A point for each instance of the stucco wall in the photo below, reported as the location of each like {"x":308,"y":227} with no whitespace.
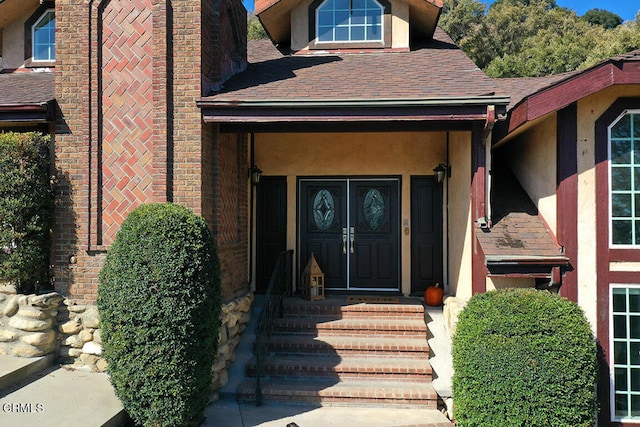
{"x":300,"y":25}
{"x":13,"y":42}
{"x":589,"y":110}
{"x":347,"y":154}
{"x":460,"y":247}
{"x":509,"y":282}
{"x":532,"y":158}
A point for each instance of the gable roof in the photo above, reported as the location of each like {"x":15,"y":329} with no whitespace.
{"x":27,"y":97}
{"x":532,"y":98}
{"x":438,"y":75}
{"x":275,"y":16}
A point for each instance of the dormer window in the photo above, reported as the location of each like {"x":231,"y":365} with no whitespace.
{"x":337,"y":24}
{"x":349,"y":21}
{"x":44,"y":37}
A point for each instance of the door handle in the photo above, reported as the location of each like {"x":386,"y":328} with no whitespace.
{"x":344,"y":240}
{"x":352,"y":238}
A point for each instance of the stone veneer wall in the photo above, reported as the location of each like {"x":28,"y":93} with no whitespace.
{"x":27,"y":324}
{"x":36,"y":325}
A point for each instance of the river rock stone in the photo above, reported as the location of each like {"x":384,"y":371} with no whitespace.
{"x":40,"y":339}
{"x":7,"y":335}
{"x":91,"y":318}
{"x":70,"y":327}
{"x":30,"y":325}
{"x":92,"y":348}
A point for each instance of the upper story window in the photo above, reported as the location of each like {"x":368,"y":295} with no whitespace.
{"x":349,"y":20}
{"x":624,"y":182}
{"x":43,"y":37}
{"x":336,"y":24}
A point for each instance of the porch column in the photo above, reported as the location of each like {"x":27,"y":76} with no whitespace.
{"x":478,"y":166}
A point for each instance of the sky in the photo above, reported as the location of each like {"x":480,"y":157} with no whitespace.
{"x":626,"y":9}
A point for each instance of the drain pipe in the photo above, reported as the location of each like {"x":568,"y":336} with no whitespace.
{"x":251,"y":207}
{"x":486,"y":141}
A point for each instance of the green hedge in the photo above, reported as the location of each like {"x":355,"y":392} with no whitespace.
{"x":26,"y":210}
{"x":523,"y":357}
{"x":159,"y":302}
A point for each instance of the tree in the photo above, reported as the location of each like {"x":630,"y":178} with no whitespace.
{"x":601,"y":17}
{"x":255,"y":30}
{"x":461,"y":17}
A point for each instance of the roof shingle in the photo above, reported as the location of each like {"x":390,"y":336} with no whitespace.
{"x":437,"y":70}
{"x":27,"y":88}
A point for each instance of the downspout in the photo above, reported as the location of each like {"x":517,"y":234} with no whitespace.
{"x":251,"y":206}
{"x":447,"y":216}
{"x":486,"y":141}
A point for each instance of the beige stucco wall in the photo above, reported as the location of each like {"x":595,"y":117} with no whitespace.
{"x":400,"y":154}
{"x":13,"y":43}
{"x":460,"y":225}
{"x":589,"y":110}
{"x":300,"y":25}
{"x":509,"y":282}
{"x":532,"y":158}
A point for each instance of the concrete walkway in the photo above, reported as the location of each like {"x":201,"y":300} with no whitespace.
{"x":228,"y":413}
{"x":61,"y":397}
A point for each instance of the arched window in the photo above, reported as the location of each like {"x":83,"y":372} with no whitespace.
{"x":336,"y":24}
{"x":43,"y":37}
{"x":624,"y":172}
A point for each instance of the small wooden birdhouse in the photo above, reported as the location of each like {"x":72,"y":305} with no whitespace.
{"x":312,"y":281}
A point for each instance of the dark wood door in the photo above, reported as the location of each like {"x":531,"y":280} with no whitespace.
{"x":323,"y":217}
{"x":426,"y":233}
{"x":351,"y":227}
{"x":271,"y":226}
{"x":373,"y":234}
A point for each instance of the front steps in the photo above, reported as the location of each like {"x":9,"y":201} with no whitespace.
{"x":334,"y":353}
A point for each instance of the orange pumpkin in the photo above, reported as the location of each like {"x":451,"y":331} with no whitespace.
{"x":433,"y":295}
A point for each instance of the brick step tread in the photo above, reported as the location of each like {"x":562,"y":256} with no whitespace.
{"x":373,"y":393}
{"x":335,"y":344}
{"x":345,"y":367}
{"x":303,"y":308}
{"x":320,"y":324}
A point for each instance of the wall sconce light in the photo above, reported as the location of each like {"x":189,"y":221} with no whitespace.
{"x":440,"y":172}
{"x":255,"y":174}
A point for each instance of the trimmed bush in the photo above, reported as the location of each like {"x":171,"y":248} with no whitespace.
{"x":159,"y":303}
{"x":26,"y":210}
{"x":523,"y":357}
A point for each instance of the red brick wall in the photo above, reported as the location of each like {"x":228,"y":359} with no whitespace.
{"x":129,"y":131}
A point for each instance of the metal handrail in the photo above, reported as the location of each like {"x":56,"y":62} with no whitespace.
{"x":280,"y":285}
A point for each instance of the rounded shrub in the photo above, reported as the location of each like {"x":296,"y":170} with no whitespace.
{"x":523,"y":357}
{"x":159,"y":303}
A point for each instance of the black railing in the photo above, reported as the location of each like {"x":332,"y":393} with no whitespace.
{"x":280,"y":285}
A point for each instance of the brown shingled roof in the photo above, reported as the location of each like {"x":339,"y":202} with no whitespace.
{"x":26,"y":88}
{"x":438,"y":70}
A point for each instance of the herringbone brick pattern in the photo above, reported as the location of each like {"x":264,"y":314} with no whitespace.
{"x":127,"y":101}
{"x":229,"y":190}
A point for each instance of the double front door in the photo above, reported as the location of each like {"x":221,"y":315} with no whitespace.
{"x":351,"y":226}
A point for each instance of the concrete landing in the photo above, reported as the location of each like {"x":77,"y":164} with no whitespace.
{"x":15,"y":369}
{"x":63,"y":397}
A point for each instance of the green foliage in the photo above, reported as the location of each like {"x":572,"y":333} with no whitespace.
{"x":523,"y":357}
{"x":26,"y":210}
{"x":460,"y":17}
{"x":528,"y":38}
{"x":255,"y":30}
{"x":159,"y":302}
{"x":601,"y":17}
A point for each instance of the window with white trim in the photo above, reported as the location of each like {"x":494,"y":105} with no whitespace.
{"x":349,"y":21}
{"x":624,"y":180}
{"x":43,"y":37}
{"x":625,"y":352}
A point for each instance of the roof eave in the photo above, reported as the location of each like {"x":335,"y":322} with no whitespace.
{"x":41,"y":112}
{"x":567,"y":91}
{"x":340,"y":110}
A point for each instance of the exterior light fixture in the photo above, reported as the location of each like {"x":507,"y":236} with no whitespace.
{"x":255,"y":174}
{"x":440,"y":171}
